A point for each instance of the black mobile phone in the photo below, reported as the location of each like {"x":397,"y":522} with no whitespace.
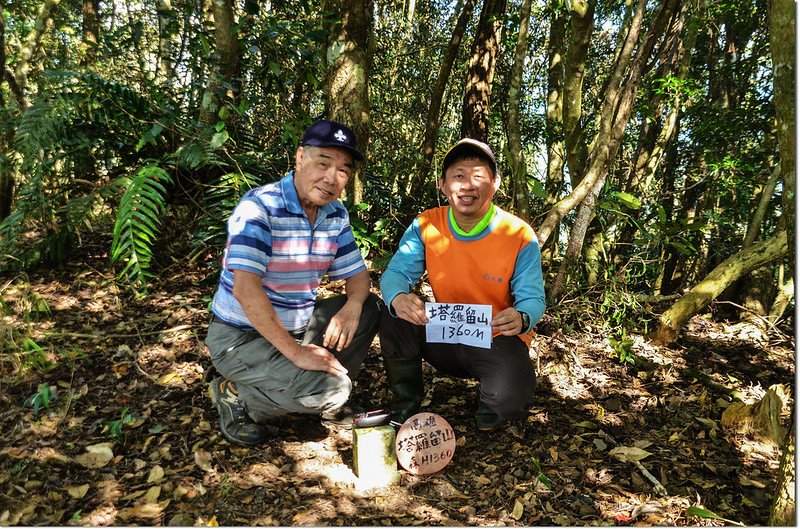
{"x":371,"y":418}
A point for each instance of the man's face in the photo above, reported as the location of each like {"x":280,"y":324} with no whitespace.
{"x":469,"y":186}
{"x":320,"y":174}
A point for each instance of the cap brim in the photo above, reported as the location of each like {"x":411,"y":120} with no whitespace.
{"x":354,"y":152}
{"x":465,"y":149}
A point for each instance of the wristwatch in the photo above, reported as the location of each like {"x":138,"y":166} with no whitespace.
{"x":526,"y":320}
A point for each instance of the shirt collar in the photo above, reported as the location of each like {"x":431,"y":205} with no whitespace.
{"x":479,"y":227}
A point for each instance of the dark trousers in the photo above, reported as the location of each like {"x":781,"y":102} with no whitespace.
{"x":505,"y":372}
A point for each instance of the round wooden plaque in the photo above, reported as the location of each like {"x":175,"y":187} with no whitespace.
{"x":425,"y":443}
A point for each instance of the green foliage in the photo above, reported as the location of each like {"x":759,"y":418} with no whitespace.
{"x":702,"y":512}
{"x":137,"y":223}
{"x":115,"y":429}
{"x":368,"y":240}
{"x":621,"y":347}
{"x":63,"y":141}
{"x":541,"y":477}
{"x":41,"y":399}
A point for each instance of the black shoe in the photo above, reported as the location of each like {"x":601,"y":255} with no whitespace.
{"x":235,"y":423}
{"x":343,"y":417}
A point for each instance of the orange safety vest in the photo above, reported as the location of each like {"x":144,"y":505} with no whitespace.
{"x":476,"y":271}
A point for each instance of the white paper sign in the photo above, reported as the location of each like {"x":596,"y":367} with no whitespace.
{"x":459,"y":323}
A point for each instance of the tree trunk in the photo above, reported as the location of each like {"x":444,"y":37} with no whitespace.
{"x":761,"y":209}
{"x":554,"y":127}
{"x":480,"y":74}
{"x":718,"y":280}
{"x":91,"y":32}
{"x":782,"y":511}
{"x":6,"y":167}
{"x":226,"y":66}
{"x":32,"y":45}
{"x":756,"y":292}
{"x":580,"y":36}
{"x":432,"y":123}
{"x":167,"y":27}
{"x":519,"y":172}
{"x":781,"y":15}
{"x":782,"y":300}
{"x":347,"y":80}
{"x":615,"y":110}
{"x":576,"y":236}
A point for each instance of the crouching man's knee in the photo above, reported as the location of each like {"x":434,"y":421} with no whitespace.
{"x":325,"y":392}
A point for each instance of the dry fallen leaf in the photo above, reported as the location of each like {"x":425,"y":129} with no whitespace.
{"x":518,"y":509}
{"x":96,"y":456}
{"x":203,"y":459}
{"x":152,"y":494}
{"x":78,"y":491}
{"x":144,"y":510}
{"x":483,"y":480}
{"x":156,"y":473}
{"x":629,"y":454}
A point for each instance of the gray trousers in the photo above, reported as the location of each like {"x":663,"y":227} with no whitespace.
{"x":270,"y":385}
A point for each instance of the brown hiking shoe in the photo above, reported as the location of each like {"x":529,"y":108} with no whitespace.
{"x":235,"y":423}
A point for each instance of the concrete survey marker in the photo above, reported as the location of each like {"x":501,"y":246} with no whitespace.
{"x":425,"y":443}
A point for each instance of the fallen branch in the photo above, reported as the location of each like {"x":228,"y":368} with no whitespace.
{"x":657,"y":486}
{"x":716,"y":386}
{"x":116,"y":336}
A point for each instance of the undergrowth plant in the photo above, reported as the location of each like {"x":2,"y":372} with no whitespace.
{"x":19,"y":352}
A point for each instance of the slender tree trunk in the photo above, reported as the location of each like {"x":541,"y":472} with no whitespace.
{"x":576,"y":237}
{"x":6,"y":167}
{"x":781,"y":14}
{"x":554,"y":131}
{"x":717,"y":281}
{"x":519,"y":172}
{"x":432,"y":123}
{"x":167,"y":28}
{"x":347,"y":81}
{"x":782,"y":300}
{"x":756,"y":292}
{"x":32,"y":45}
{"x":580,"y":36}
{"x":782,"y":511}
{"x":761,"y":209}
{"x":616,"y":108}
{"x":91,"y":32}
{"x":226,"y":66}
{"x":480,"y":74}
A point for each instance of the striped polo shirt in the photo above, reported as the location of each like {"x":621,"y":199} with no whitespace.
{"x":269,"y":234}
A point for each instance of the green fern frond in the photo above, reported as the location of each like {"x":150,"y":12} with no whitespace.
{"x":137,"y":224}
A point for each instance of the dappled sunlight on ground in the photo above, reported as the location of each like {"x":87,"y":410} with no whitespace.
{"x":128,"y":372}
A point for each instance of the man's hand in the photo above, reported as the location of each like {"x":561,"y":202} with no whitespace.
{"x":342,"y":327}
{"x":410,"y":308}
{"x":507,"y":322}
{"x":315,"y":358}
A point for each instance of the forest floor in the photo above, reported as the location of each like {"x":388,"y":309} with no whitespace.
{"x":131,"y":437}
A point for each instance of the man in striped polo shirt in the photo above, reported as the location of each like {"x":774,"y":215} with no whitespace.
{"x":279,"y":349}
{"x":474,"y":253}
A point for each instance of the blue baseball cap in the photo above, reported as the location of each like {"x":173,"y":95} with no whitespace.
{"x":326,"y":133}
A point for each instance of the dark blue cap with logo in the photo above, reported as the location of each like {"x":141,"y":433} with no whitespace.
{"x":326,"y":133}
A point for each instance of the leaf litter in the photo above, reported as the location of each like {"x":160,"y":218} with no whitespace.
{"x":581,"y":457}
